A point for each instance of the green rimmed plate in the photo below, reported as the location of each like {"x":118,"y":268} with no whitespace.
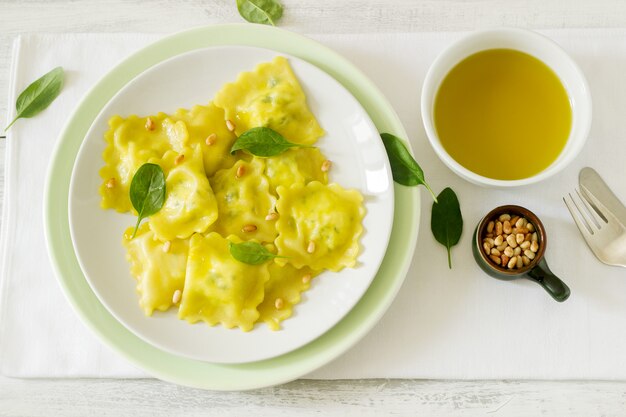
{"x":192,"y":372}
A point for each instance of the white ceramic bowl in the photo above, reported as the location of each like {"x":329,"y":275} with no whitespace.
{"x":533,"y":44}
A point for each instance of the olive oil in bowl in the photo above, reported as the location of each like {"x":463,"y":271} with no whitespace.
{"x":503,"y":114}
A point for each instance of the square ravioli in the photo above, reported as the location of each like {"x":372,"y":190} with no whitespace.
{"x":130,"y":143}
{"x":159,"y":268}
{"x":319,"y":225}
{"x":282,"y":292}
{"x":244,"y":202}
{"x":218,"y":288}
{"x":206,"y":127}
{"x":190,"y":205}
{"x":270,"y":96}
{"x":295,"y":166}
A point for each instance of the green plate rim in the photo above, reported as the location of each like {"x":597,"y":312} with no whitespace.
{"x":169,"y":367}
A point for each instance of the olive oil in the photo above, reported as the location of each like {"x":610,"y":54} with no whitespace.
{"x":503,"y":114}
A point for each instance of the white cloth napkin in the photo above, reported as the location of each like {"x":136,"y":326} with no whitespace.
{"x":444,"y":323}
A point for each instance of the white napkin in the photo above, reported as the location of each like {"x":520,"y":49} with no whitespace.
{"x":444,"y":323}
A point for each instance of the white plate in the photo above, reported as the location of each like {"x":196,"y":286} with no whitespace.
{"x":359,"y":161}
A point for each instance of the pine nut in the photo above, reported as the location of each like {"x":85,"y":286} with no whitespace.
{"x":511,"y":241}
{"x":517,"y":251}
{"x":519,"y":262}
{"x":534,"y":237}
{"x":176,"y":297}
{"x":498,"y":228}
{"x":166,"y":246}
{"x":525,"y":245}
{"x":520,"y":222}
{"x":271,"y":217}
{"x":522,"y":230}
{"x":306,"y":278}
{"x":530,"y":227}
{"x":150,"y":124}
{"x":502,"y":246}
{"x":519,"y":238}
{"x":489,"y":235}
{"x":504,"y":217}
{"x":230,"y":125}
{"x":506,"y":227}
{"x":495,"y":252}
{"x":110,"y":183}
{"x":508,"y":251}
{"x":326,"y":165}
{"x":211,"y":139}
{"x":487,"y":248}
{"x":534,"y":247}
{"x":512,"y":262}
{"x":179,"y":159}
{"x":311,"y":247}
{"x":241,"y":170}
{"x":527,"y":237}
{"x":530,"y":254}
{"x":279,"y":303}
{"x":514,"y":219}
{"x":249,"y":228}
{"x":498,"y":240}
{"x":526,"y":260}
{"x":505,"y":259}
{"x":495,"y":259}
{"x":490,"y":241}
{"x":490,"y":226}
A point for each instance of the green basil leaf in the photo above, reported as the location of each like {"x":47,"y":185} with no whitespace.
{"x":267,"y":12}
{"x":251,"y":253}
{"x":37,"y":96}
{"x":404,"y":168}
{"x":446,"y":220}
{"x":263,"y":141}
{"x":147,"y":191}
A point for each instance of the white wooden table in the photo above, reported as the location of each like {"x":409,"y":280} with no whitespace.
{"x":46,"y":397}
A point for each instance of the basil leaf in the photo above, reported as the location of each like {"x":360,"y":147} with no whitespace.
{"x":37,"y":96}
{"x":266,"y":12}
{"x":147,"y":191}
{"x":263,"y":141}
{"x":446,"y":220}
{"x":404,"y":168}
{"x":251,"y":253}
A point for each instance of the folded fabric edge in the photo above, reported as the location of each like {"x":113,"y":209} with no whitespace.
{"x":5,"y":223}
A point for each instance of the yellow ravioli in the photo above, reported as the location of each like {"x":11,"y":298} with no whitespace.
{"x":201,"y":123}
{"x":159,"y":273}
{"x":190,"y":205}
{"x":319,"y":225}
{"x":130,"y":145}
{"x":286,"y":283}
{"x":270,"y":96}
{"x":295,"y":166}
{"x":244,"y":202}
{"x":218,"y":288}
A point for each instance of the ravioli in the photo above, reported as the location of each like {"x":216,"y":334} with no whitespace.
{"x":319,"y":225}
{"x":244,"y":201}
{"x":159,"y":270}
{"x":286,"y":283}
{"x":130,"y":144}
{"x":190,"y":205}
{"x":202,"y":122}
{"x":218,"y":288}
{"x":270,"y":96}
{"x":180,"y":255}
{"x":295,"y":166}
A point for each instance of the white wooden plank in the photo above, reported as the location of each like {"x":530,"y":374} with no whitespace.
{"x":307,"y":398}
